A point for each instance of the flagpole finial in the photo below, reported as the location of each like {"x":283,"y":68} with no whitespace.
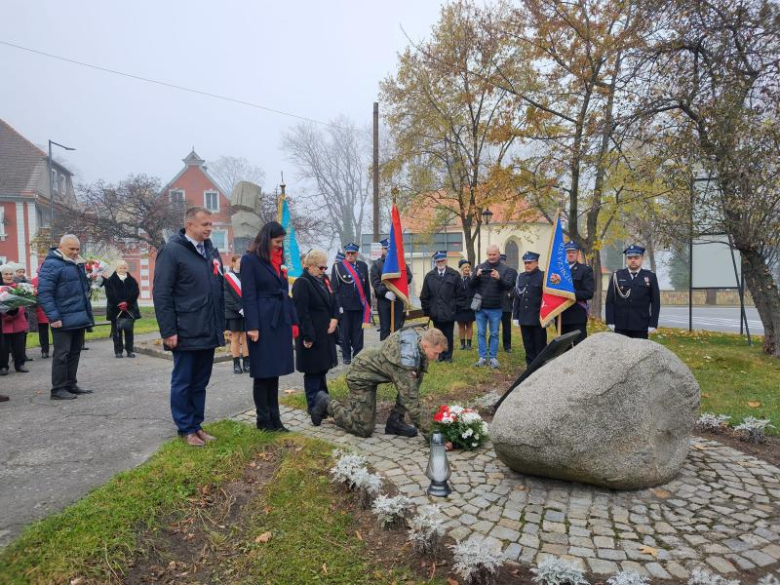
{"x":394,"y":194}
{"x":282,"y":185}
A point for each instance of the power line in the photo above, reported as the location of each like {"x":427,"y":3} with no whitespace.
{"x":174,"y":86}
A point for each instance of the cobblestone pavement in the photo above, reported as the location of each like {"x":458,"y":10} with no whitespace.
{"x":721,"y":512}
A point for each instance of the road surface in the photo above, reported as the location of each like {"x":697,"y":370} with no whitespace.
{"x":724,"y":319}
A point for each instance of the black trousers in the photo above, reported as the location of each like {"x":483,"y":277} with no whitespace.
{"x":43,"y":337}
{"x":12,"y":345}
{"x":506,"y":329}
{"x":534,"y":341}
{"x":351,"y":334}
{"x":447,"y":328}
{"x":313,"y":383}
{"x":117,"y":334}
{"x":635,"y":334}
{"x":581,"y":327}
{"x":65,"y":361}
{"x":265,"y":392}
{"x":383,"y":307}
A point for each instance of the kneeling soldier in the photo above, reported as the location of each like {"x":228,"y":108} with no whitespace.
{"x":401,"y":359}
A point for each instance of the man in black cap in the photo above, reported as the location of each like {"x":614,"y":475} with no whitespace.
{"x":353,"y":295}
{"x":575,"y":318}
{"x":507,"y":307}
{"x":528,"y":303}
{"x":633,"y":297}
{"x":439,"y":299}
{"x":385,"y":297}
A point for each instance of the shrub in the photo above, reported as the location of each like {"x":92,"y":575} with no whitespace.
{"x":556,"y":571}
{"x":769,"y":580}
{"x":752,"y":429}
{"x":346,"y":467}
{"x":392,"y":512}
{"x":427,"y":531}
{"x":703,"y":577}
{"x":477,"y":562}
{"x":367,"y":486}
{"x":628,"y":578}
{"x":713,"y":423}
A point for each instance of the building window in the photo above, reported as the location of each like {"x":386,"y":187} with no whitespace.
{"x":61,"y":187}
{"x":55,"y":184}
{"x":219,"y":239}
{"x":512,"y":255}
{"x":176,"y":196}
{"x":211,"y":200}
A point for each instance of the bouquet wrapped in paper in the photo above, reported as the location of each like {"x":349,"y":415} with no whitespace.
{"x":463,"y":427}
{"x":13,"y":296}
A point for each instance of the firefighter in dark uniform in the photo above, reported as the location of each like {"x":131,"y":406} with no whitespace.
{"x":528,"y":302}
{"x":352,"y":299}
{"x":575,"y":318}
{"x":385,"y":297}
{"x":439,"y":299}
{"x":633,"y":297}
{"x":507,"y":306}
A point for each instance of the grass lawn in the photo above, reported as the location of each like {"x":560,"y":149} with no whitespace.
{"x":112,"y":530}
{"x":146,"y":324}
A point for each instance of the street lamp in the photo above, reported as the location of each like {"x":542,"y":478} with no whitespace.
{"x":486,"y":215}
{"x":51,"y":186}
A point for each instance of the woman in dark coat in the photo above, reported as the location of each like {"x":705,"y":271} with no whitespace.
{"x":234,"y":316}
{"x":315,"y":305}
{"x":464,"y":316}
{"x":270,"y":320}
{"x":122,"y":302}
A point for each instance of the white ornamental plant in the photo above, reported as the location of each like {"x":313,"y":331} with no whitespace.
{"x":557,"y":571}
{"x":347,"y":465}
{"x":703,"y":577}
{"x":769,"y":580}
{"x":477,"y":562}
{"x":392,"y":512}
{"x":713,"y":423}
{"x":753,"y":429}
{"x":426,"y":531}
{"x":628,"y":578}
{"x":367,"y":486}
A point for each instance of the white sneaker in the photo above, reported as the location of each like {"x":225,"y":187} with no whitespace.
{"x":482,"y":362}
{"x":494,"y":363}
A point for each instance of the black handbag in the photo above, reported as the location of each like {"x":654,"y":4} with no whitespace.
{"x":124,"y":322}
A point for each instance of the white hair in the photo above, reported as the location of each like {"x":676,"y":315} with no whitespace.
{"x":7,"y":268}
{"x":68,"y":237}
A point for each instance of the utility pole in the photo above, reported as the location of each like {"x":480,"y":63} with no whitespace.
{"x":376,"y":171}
{"x":50,"y":166}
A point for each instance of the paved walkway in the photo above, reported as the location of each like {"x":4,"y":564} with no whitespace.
{"x":722,"y":511}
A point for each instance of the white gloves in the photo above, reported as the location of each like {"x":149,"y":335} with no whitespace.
{"x":390,"y":295}
{"x":516,"y":322}
{"x":651,"y":330}
{"x":241,"y":312}
{"x":611,"y":326}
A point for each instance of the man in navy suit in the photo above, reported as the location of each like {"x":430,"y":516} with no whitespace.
{"x":575,"y":318}
{"x":633,"y":297}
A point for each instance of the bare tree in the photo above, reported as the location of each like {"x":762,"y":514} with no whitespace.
{"x":228,"y":171}
{"x":334,"y":163}
{"x":112,"y":214}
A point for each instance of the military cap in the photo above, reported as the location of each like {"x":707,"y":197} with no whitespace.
{"x":340,"y":256}
{"x":351,"y":247}
{"x":530,"y":256}
{"x":385,"y":243}
{"x":440,"y":255}
{"x":463,"y":261}
{"x":634,"y":250}
{"x":571,"y":246}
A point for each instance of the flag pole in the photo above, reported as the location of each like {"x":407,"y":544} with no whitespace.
{"x":280,"y":201}
{"x":394,"y":193}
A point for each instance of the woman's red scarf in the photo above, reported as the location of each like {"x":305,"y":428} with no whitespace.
{"x":276,"y":261}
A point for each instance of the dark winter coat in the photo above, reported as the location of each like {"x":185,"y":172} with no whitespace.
{"x":188,"y":294}
{"x":508,"y":298}
{"x":491,"y":289}
{"x":380,"y":288}
{"x":117,"y":292}
{"x":63,"y":292}
{"x":440,"y":295}
{"x":315,"y":306}
{"x":639,"y":311}
{"x":584,"y":287}
{"x":268,"y":309}
{"x":347,"y":295}
{"x":233,"y":302}
{"x":528,"y":299}
{"x":465,"y":295}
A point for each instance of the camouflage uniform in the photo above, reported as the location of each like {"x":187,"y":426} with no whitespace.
{"x":400,"y":360}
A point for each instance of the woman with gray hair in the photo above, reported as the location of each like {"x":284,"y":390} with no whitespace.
{"x":315,"y":304}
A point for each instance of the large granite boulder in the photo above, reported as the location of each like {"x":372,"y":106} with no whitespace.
{"x":614,"y":412}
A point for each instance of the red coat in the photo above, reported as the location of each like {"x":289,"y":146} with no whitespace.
{"x":14,"y":323}
{"x":42,"y":319}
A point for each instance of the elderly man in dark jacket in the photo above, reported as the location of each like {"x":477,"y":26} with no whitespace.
{"x":490,"y":280}
{"x":63,"y":294}
{"x":440,"y":298}
{"x":190,"y":310}
{"x":528,"y":305}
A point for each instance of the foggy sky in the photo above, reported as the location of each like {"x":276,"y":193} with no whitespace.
{"x":313,"y":58}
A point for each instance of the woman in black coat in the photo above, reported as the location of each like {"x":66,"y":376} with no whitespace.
{"x":464,"y":315}
{"x":234,"y":316}
{"x":122,"y":303}
{"x":270,"y":320}
{"x":315,"y":305}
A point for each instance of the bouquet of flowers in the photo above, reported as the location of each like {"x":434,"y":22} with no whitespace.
{"x":463,"y":427}
{"x":95,"y":273}
{"x":13,"y":296}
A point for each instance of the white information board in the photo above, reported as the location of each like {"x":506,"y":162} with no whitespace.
{"x":712,"y":263}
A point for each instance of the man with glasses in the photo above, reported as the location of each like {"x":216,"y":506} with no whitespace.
{"x":490,"y":280}
{"x":528,"y":302}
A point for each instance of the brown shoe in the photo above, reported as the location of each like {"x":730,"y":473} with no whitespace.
{"x":193,"y":440}
{"x":204,"y":436}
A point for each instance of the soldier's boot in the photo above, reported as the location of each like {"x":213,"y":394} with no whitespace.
{"x":396,"y":426}
{"x":320,"y":409}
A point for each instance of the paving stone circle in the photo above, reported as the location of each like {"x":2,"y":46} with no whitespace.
{"x":721,"y":512}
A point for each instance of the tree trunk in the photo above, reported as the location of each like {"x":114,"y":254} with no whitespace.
{"x":765,"y":295}
{"x":598,"y":296}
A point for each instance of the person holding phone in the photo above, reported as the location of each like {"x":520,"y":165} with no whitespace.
{"x":490,"y":280}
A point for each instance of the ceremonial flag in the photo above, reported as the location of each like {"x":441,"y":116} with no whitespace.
{"x":292,"y":253}
{"x":394,"y":269}
{"x":558,"y":293}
